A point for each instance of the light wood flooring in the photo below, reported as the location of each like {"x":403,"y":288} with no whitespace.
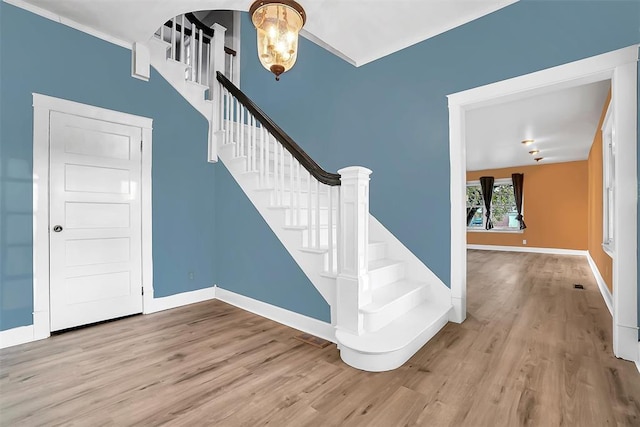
{"x":533,"y":351}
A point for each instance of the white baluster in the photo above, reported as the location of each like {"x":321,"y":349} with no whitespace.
{"x":192,"y":48}
{"x":229,"y":124}
{"x":200,"y":57}
{"x":182,"y":57}
{"x":243,"y":145}
{"x":275,"y":171}
{"x":267,"y":160}
{"x":291,"y":201}
{"x":282,"y":150}
{"x":317,"y":213}
{"x":209,"y":73}
{"x":254,"y":143}
{"x":221,"y":101}
{"x":309,"y":206}
{"x":299,"y":190}
{"x":330,"y":228}
{"x":261,"y":156}
{"x":173,"y":38}
{"x":231,"y":58}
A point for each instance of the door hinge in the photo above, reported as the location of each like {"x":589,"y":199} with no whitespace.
{"x":141,"y":146}
{"x":142,"y":291}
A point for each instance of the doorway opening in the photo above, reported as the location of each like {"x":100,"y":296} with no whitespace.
{"x":620,"y":67}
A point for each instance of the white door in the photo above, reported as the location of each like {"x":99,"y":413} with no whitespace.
{"x":95,"y":220}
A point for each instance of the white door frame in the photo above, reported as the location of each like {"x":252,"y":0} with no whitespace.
{"x":621,"y":67}
{"x":42,"y":107}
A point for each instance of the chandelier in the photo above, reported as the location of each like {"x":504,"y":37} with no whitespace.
{"x":277,"y":25}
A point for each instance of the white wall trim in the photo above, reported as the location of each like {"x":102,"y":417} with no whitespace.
{"x":552,"y":251}
{"x":42,"y":107}
{"x":602,"y":285}
{"x":16,"y":336}
{"x":288,"y":318}
{"x":178,"y":300}
{"x":621,"y":67}
{"x":68,"y":22}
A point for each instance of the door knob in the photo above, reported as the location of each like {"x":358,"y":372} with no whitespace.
{"x":57,"y":228}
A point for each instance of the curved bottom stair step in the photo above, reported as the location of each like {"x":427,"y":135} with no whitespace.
{"x":391,"y":346}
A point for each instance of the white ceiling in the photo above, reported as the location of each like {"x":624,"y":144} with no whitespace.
{"x":562,"y":124}
{"x":359,"y":31}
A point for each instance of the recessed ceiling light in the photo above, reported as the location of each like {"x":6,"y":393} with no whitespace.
{"x":537,"y":159}
{"x":527,"y":141}
{"x":534,"y":151}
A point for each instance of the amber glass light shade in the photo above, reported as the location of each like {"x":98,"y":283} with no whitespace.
{"x":277,"y":26}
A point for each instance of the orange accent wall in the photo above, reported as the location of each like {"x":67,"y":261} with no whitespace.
{"x":595,"y":215}
{"x":554,"y":207}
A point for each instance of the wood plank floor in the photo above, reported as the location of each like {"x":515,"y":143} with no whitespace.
{"x":533,"y":351}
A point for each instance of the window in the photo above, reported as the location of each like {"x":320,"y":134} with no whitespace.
{"x":503,"y":207}
{"x":608,"y":180}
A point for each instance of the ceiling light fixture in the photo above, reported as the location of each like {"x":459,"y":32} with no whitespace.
{"x":534,"y":151}
{"x":537,"y":159}
{"x":527,"y":141}
{"x":277,"y":23}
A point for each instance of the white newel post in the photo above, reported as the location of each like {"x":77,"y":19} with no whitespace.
{"x":216,"y":64}
{"x":353,"y":289}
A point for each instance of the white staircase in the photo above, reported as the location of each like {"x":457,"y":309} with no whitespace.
{"x":385,"y":303}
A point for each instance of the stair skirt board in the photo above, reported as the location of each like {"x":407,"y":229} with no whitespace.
{"x":283,"y":316}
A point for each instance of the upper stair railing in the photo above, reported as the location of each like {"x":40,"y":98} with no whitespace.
{"x":193,"y":44}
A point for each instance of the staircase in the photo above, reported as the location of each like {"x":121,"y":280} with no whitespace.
{"x":385,"y":303}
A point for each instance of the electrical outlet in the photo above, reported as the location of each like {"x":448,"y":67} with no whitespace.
{"x":524,"y":242}
{"x":191,"y":275}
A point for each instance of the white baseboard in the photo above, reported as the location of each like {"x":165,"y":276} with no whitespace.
{"x":178,"y":300}
{"x":606,"y":295}
{"x":551,"y":251}
{"x":25,"y":334}
{"x":288,"y":318}
{"x":16,"y":336}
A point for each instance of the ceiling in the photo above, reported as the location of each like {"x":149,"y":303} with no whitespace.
{"x":358,"y":31}
{"x":561,"y":123}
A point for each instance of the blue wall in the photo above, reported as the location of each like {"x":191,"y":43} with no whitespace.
{"x":391,"y":115}
{"x":252,"y":261}
{"x":38,"y":55}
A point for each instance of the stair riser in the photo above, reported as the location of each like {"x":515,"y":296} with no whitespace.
{"x":383,"y":276}
{"x":377,"y":251}
{"x":379,"y":319}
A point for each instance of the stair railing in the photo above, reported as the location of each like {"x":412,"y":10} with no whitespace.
{"x":194,"y":44}
{"x":332,"y":209}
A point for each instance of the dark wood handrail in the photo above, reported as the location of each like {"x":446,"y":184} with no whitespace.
{"x":307,"y":162}
{"x":199,"y":25}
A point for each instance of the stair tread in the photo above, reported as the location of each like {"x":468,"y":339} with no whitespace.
{"x":397,"y":334}
{"x":391,"y":292}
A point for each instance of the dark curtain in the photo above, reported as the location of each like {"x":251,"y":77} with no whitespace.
{"x":470,"y":214}
{"x":486,"y":183}
{"x":518,"y":184}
